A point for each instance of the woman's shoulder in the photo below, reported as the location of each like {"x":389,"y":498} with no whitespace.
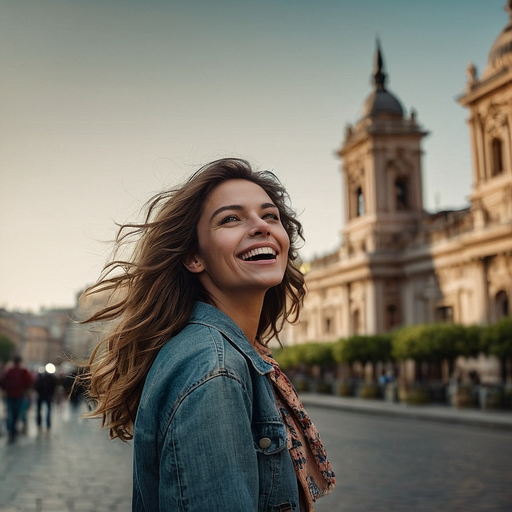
{"x":197,"y":349}
{"x":190,"y":358}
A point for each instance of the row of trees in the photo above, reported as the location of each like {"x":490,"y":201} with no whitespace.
{"x":432,"y":343}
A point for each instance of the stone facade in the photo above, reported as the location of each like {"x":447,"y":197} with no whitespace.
{"x":399,"y":264}
{"x":38,"y":338}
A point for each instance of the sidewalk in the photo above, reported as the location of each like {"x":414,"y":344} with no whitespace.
{"x":445,"y":414}
{"x":73,"y":469}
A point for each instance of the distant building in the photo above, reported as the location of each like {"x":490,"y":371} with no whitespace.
{"x":38,"y":338}
{"x":11,"y":326}
{"x":398,"y":264}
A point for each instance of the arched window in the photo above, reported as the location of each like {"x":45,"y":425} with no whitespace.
{"x":501,"y":305}
{"x":401,"y":194}
{"x":497,"y":156}
{"x":360,"y":202}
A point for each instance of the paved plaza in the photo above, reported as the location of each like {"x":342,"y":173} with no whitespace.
{"x":75,"y":468}
{"x":400,"y":458}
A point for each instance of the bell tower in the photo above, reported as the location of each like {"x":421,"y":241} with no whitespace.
{"x":381,"y":168}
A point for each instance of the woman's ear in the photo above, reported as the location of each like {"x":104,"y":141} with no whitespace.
{"x":193,"y":264}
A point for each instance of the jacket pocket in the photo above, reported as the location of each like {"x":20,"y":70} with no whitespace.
{"x":269,"y":437}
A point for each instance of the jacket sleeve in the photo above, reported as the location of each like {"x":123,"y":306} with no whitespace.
{"x":208,"y":460}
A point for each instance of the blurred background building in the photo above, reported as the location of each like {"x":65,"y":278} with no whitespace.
{"x":399,"y":264}
{"x":38,"y":338}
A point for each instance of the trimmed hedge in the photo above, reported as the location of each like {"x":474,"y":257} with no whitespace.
{"x":310,"y":354}
{"x":365,"y":349}
{"x":496,"y":339}
{"x":426,"y":342}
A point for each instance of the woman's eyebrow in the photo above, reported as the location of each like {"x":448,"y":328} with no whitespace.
{"x":236,"y":207}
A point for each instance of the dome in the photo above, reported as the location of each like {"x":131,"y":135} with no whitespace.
{"x":381,"y":101}
{"x":500,"y":55}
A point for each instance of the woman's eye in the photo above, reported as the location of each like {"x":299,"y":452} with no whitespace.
{"x":272,"y":216}
{"x":229,"y":218}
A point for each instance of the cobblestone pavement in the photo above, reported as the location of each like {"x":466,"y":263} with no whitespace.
{"x":385,"y":461}
{"x":398,"y":464}
{"x":75,"y":468}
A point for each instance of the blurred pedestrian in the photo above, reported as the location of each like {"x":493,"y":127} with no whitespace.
{"x":16,"y":381}
{"x":474,"y":377}
{"x":187,"y":371}
{"x":25,"y":406}
{"x":383,"y":379}
{"x":44,"y":386}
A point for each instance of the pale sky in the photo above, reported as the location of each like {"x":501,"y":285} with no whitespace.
{"x":104,"y":103}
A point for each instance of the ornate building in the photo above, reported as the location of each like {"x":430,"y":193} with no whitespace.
{"x":398,"y":264}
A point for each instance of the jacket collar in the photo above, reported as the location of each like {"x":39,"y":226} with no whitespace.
{"x":210,"y":316}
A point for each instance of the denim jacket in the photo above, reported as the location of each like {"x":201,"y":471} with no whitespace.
{"x":208,"y":436}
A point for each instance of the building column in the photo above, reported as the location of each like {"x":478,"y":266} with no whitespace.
{"x":481,"y":292}
{"x":474,"y":151}
{"x":370,"y":307}
{"x":480,"y":150}
{"x":345,"y":312}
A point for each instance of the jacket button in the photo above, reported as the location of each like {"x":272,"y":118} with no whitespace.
{"x":265,"y":442}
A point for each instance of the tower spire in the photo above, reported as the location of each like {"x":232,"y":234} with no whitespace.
{"x":379,"y":76}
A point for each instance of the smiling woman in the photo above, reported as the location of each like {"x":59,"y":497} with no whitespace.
{"x":186,"y":371}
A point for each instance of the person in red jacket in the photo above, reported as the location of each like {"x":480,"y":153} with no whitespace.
{"x":15,"y":382}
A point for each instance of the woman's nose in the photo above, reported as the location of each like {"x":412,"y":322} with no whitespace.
{"x":260,"y":228}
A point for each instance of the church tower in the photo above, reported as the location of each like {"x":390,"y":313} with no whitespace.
{"x":381,"y":173}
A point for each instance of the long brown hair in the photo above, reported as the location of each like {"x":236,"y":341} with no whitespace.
{"x":151,"y":293}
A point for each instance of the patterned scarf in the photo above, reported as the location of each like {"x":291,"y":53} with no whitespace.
{"x":308,"y":454}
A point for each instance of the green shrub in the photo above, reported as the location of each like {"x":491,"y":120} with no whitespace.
{"x":417,"y":396}
{"x":369,"y":391}
{"x":310,"y":354}
{"x":434,"y":342}
{"x":496,"y":339}
{"x":344,"y":389}
{"x":365,"y":349}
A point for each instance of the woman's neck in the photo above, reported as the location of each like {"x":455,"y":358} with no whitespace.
{"x":244,"y":312}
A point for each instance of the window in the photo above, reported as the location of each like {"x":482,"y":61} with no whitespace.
{"x":401,"y":194}
{"x":444,"y":314}
{"x":328,"y":325}
{"x":360,"y":202}
{"x":355,"y":322}
{"x":497,"y":157}
{"x":501,"y":305}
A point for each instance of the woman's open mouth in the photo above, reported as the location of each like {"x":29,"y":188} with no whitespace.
{"x":261,"y":253}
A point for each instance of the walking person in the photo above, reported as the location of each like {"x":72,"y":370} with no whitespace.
{"x":186,"y":370}
{"x":44,"y":387}
{"x":25,"y":406}
{"x":16,"y":382}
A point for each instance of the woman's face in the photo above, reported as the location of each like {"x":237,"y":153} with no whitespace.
{"x":243,"y":247}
